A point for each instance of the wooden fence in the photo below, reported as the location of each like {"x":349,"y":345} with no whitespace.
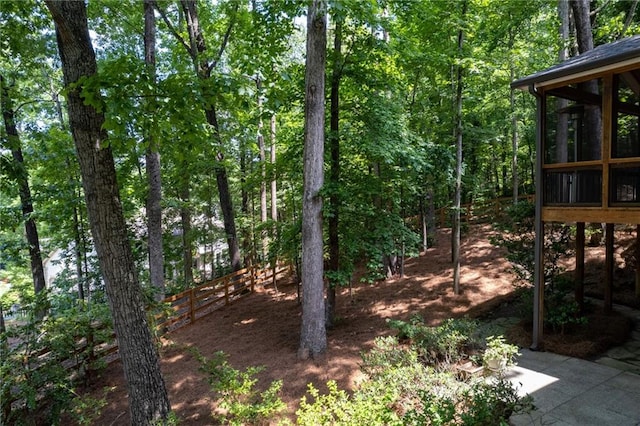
{"x":181,"y":309}
{"x":192,"y":304}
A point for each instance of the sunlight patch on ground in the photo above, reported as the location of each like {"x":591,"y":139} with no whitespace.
{"x":529,"y":381}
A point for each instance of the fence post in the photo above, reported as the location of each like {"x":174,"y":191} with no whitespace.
{"x":226,"y":291}
{"x":192,"y":313}
{"x":253,"y":277}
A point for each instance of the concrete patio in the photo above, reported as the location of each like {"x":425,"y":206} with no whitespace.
{"x":569,"y":391}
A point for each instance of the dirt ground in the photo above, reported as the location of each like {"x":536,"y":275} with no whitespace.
{"x":263,"y":328}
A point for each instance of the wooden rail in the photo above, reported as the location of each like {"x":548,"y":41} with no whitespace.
{"x":181,"y":309}
{"x":192,"y":304}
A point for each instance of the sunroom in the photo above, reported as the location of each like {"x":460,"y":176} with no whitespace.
{"x":588,"y":153}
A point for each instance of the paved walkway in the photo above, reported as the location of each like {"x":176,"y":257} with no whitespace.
{"x":574,"y":392}
{"x":569,"y":391}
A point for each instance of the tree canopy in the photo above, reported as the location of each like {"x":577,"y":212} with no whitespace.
{"x":222,"y":111}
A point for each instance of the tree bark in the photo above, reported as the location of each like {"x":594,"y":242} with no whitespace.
{"x":629,"y":20}
{"x":455,"y":247}
{"x":21,"y":176}
{"x":263,"y":173}
{"x":562,"y":127}
{"x":313,"y":337}
{"x":274,"y":184}
{"x":203,"y":69}
{"x":152,"y":164}
{"x":514,"y":124}
{"x":334,"y":174}
{"x":582,"y":19}
{"x":244,"y":205}
{"x":592,"y":115}
{"x":148,"y":399}
{"x":78,"y":250}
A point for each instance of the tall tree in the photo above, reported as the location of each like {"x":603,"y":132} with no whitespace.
{"x":274,"y":183}
{"x":21,"y":176}
{"x":562,"y":126}
{"x":152,"y":163}
{"x":592,"y":119}
{"x":263,"y":171}
{"x":334,"y":173}
{"x":204,"y":66}
{"x":148,"y":398}
{"x":514,"y":122}
{"x":455,"y":231}
{"x":313,"y":335}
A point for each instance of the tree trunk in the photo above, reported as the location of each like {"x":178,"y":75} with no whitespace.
{"x":78,"y":251}
{"x":227,"y":210}
{"x":562,"y":127}
{"x":455,"y":247}
{"x":432,"y":224}
{"x":592,"y":118}
{"x":629,"y":20}
{"x":5,"y":391}
{"x":313,"y":336}
{"x":505,"y":168}
{"x":514,"y":124}
{"x":244,"y":206}
{"x":592,"y":145}
{"x":582,"y":19}
{"x":152,"y":164}
{"x":21,"y":177}
{"x":274,"y":185}
{"x":334,"y":174}
{"x":423,"y":219}
{"x":148,"y":399}
{"x":263,"y":172}
{"x":203,"y":69}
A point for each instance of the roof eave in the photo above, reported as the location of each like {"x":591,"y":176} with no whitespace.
{"x":565,"y":72}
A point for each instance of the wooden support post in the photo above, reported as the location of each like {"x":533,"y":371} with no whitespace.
{"x":638,"y":261}
{"x":538,"y":273}
{"x":226,"y":290}
{"x":538,"y":289}
{"x":609,"y":265}
{"x":579,"y":271}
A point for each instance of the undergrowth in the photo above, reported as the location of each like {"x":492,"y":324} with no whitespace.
{"x":415,"y":383}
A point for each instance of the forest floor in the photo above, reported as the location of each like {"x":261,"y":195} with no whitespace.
{"x":263,"y":328}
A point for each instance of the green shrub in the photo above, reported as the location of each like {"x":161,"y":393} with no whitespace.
{"x":400,"y":389}
{"x":238,"y":399}
{"x":387,"y":353}
{"x":85,"y":410}
{"x":338,"y":408}
{"x":34,"y":368}
{"x":489,"y":403}
{"x":446,"y":343}
{"x":560,"y":306}
{"x":518,"y":238}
